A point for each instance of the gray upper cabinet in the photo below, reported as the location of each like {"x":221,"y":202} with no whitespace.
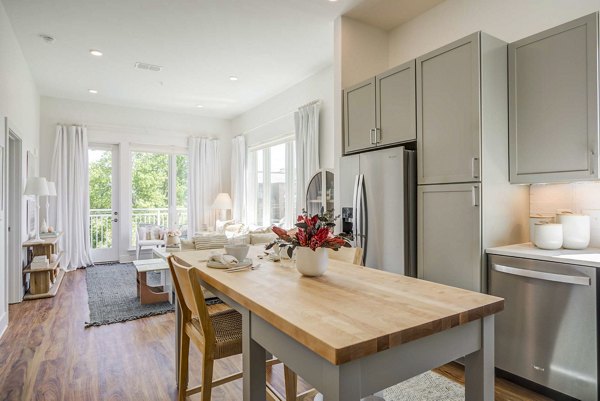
{"x":449,"y":235}
{"x":448,"y":113}
{"x":553,"y":104}
{"x":395,"y":105}
{"x":359,"y":116}
{"x":381,"y":111}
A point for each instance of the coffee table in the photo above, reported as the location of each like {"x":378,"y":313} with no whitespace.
{"x":149,"y":294}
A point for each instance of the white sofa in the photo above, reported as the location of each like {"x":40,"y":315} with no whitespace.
{"x":229,"y":232}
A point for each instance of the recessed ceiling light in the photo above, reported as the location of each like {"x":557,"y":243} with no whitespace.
{"x":233,"y":78}
{"x":93,"y":91}
{"x":95,"y":52}
{"x":199,"y":106}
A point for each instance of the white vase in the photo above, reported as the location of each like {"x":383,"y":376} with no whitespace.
{"x":44,"y":227}
{"x":311,"y":263}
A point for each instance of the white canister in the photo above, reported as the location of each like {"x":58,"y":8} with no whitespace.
{"x":538,"y":218}
{"x":548,"y":236}
{"x":576,"y":231}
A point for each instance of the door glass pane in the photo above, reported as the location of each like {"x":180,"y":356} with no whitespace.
{"x":149,"y":190}
{"x":278,"y":193}
{"x":100,"y":187}
{"x":181,"y":188}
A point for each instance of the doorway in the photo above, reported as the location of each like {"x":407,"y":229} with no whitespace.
{"x":103,"y":169}
{"x":14,"y":218}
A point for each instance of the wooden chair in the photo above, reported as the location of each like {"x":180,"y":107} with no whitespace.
{"x":217,"y":335}
{"x":348,"y":255}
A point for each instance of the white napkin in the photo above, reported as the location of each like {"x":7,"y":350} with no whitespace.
{"x":225,"y":260}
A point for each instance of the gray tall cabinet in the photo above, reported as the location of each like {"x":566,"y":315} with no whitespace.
{"x":553,"y":88}
{"x":465,"y":201}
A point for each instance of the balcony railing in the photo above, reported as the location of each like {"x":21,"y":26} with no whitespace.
{"x":101,"y":226}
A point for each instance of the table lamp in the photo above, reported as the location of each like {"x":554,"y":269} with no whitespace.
{"x":37,"y":186}
{"x":51,"y":192}
{"x":223,"y":203}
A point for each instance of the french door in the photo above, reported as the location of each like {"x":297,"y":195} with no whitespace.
{"x":104,"y":218}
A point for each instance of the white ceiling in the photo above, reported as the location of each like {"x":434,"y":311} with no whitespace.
{"x":269,"y":44}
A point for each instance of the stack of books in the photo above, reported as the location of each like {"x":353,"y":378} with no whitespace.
{"x":49,"y":235}
{"x":40,"y":262}
{"x":173,"y":248}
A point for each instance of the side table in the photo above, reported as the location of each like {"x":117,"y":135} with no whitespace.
{"x":44,"y":282}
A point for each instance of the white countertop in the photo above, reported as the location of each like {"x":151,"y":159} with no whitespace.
{"x":584,"y":257}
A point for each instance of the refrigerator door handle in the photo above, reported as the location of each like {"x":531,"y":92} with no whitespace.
{"x":363,"y":215}
{"x":355,"y":211}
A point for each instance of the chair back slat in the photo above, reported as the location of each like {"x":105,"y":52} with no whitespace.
{"x":348,"y":255}
{"x":189,"y":293}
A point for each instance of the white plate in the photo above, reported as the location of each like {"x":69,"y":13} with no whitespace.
{"x":218,"y":265}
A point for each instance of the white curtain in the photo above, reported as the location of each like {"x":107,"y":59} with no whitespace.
{"x":204,"y":182}
{"x":238,"y":177}
{"x":70,"y":173}
{"x":307,"y":148}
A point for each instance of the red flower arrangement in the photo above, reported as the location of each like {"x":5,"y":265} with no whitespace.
{"x":311,"y":232}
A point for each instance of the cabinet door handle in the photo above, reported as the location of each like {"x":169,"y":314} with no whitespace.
{"x":377,"y":135}
{"x":371,"y":136}
{"x":592,"y":161}
{"x":475,"y":194}
{"x":475,"y":167}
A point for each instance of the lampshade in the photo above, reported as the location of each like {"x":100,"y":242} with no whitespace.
{"x":36,"y":186}
{"x":51,"y":188}
{"x":222,"y":201}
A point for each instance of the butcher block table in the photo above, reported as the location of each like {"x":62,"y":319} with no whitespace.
{"x":354,"y":331}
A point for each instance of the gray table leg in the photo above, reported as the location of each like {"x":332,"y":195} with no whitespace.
{"x":343,"y":382}
{"x":253,"y":356}
{"x":479,"y":366}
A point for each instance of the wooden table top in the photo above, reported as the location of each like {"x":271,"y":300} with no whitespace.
{"x":349,"y":312}
{"x":44,"y":241}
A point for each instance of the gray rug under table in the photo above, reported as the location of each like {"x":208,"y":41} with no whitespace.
{"x":429,"y":386}
{"x":112,"y":295}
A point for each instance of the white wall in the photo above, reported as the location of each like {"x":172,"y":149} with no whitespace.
{"x":19,"y":101}
{"x":508,"y":20}
{"x":364,"y":51}
{"x":275,"y":117}
{"x":127,"y":127}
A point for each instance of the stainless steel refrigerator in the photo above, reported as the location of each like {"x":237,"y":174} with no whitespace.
{"x":378,"y":194}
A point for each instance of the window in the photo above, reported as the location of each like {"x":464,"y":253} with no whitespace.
{"x":271,"y":184}
{"x":159,"y":190}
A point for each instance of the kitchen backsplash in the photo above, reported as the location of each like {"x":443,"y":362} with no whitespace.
{"x":580,"y":197}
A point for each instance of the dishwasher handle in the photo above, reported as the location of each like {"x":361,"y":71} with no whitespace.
{"x":546,"y":276}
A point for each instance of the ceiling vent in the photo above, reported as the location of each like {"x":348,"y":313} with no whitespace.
{"x":147,"y":67}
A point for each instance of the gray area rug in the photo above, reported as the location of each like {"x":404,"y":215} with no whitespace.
{"x":428,"y":386}
{"x":112,"y":295}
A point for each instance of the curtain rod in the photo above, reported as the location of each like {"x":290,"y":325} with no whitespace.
{"x":318,"y":101}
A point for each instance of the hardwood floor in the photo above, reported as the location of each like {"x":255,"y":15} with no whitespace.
{"x":47,"y":354}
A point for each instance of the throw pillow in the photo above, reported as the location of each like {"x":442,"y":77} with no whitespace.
{"x":202,"y":242}
{"x":211,"y":241}
{"x":262,"y":238}
{"x":222,"y":224}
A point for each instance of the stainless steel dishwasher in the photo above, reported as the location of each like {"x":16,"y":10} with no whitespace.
{"x":548,"y":330}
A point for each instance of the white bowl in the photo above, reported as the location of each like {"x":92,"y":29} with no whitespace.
{"x":239,"y":251}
